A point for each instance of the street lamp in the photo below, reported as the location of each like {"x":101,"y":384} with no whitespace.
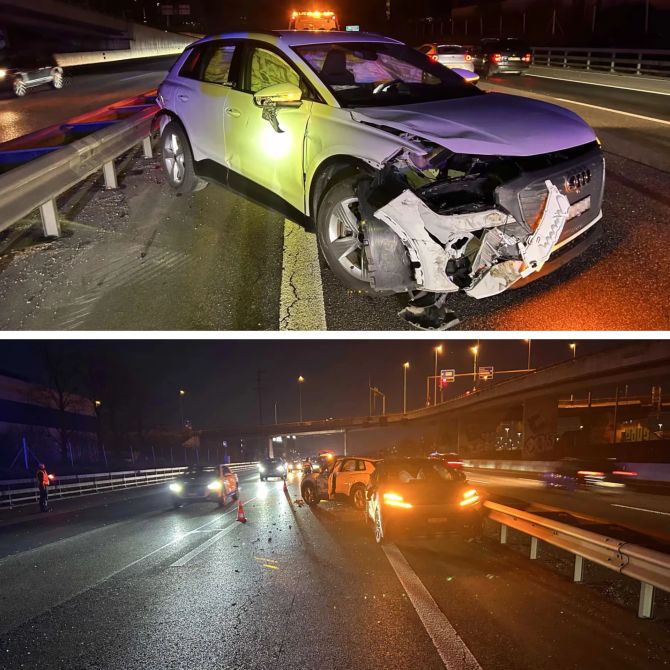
{"x":405,"y":367}
{"x":475,"y":353}
{"x":573,"y":346}
{"x":438,"y":350}
{"x":301,"y":381}
{"x":182,"y":393}
{"x":529,"y":343}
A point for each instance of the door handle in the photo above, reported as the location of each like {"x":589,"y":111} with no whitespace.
{"x":182,"y":97}
{"x":233,"y":112}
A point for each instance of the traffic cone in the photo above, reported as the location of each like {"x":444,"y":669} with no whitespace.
{"x":240,"y":511}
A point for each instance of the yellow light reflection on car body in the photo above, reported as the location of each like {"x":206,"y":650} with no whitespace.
{"x":274,"y":144}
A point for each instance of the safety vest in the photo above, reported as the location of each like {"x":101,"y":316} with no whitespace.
{"x":42,"y":478}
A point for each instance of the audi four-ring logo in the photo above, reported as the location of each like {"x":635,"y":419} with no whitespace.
{"x":579,"y":180}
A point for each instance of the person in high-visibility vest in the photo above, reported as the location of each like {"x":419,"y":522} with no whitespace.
{"x":42,"y":477}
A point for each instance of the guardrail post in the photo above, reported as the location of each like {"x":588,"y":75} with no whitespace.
{"x":503,"y":534}
{"x":578,"y":575}
{"x":638,"y":68}
{"x":645,"y":609}
{"x":147,"y":148}
{"x":612,"y":62}
{"x":49,"y":216}
{"x":533,"y":548}
{"x":109,"y":171}
{"x":588,"y":60}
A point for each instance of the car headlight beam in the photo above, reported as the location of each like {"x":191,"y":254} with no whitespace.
{"x":214,"y":486}
{"x":176,"y":487}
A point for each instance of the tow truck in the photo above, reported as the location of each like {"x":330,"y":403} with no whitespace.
{"x":313,"y":20}
{"x":344,"y":478}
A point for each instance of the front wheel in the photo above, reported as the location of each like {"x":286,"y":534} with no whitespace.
{"x":381,"y":533}
{"x":309,"y":496}
{"x":339,"y":233}
{"x":178,"y":160}
{"x":57,"y":80}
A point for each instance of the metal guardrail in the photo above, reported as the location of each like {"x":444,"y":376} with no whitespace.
{"x":37,"y":184}
{"x":18,"y":492}
{"x":641,"y":63}
{"x":651,"y":568}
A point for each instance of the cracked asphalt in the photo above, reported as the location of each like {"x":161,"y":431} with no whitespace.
{"x":101,"y":583}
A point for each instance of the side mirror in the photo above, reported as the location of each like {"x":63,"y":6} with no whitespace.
{"x":279,"y":94}
{"x":470,"y":77}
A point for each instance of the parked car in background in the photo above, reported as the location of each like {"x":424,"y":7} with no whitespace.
{"x":449,"y":55}
{"x":506,"y":55}
{"x":576,"y":474}
{"x":346,"y":479}
{"x":202,"y":483}
{"x":19,"y":72}
{"x":420,"y":496}
{"x":451,"y":460}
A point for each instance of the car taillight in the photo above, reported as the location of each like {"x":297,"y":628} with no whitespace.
{"x":395,"y":500}
{"x":434,"y":57}
{"x":526,"y":58}
{"x":590,"y":473}
{"x":468,"y":58}
{"x":470,"y":497}
{"x":496,"y":58}
{"x":455,"y":464}
{"x":623,"y":473}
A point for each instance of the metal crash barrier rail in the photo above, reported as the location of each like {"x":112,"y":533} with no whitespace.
{"x":17,"y":492}
{"x":37,"y":183}
{"x":641,"y":63}
{"x":651,"y":568}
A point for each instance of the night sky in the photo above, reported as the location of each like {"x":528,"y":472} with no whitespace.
{"x":220,"y":377}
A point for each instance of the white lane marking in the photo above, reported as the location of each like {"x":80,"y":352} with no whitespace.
{"x":592,"y":83}
{"x":177,"y":539}
{"x":301,"y":301}
{"x":614,"y":111}
{"x":137,"y":76}
{"x":642,"y":509}
{"x":207,"y":543}
{"x":452,"y":650}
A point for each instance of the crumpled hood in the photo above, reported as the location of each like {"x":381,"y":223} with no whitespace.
{"x":491,"y":124}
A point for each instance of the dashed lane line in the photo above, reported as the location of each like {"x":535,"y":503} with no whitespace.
{"x":205,"y":545}
{"x":642,"y":509}
{"x":301,"y":301}
{"x":452,"y":650}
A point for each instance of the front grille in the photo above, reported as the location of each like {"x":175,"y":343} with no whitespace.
{"x":525,"y":196}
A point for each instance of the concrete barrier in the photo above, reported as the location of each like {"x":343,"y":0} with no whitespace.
{"x":144,"y":43}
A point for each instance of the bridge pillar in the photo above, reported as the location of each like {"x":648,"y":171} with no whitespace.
{"x":540,"y":427}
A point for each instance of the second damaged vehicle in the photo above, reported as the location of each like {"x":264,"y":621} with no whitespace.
{"x":415,"y":180}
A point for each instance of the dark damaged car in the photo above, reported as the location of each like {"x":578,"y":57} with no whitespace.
{"x":415,"y":180}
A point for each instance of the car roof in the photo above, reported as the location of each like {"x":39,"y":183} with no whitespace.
{"x":294,"y":38}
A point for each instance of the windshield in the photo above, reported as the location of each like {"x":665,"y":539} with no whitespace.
{"x":370,"y":74}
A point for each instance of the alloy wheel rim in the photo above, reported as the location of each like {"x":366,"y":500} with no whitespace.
{"x":344,"y":238}
{"x":174,"y":159}
{"x":378,"y":528}
{"x":19,"y":87}
{"x":359,"y":499}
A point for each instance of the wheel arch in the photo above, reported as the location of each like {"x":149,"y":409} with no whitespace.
{"x":326,"y":172}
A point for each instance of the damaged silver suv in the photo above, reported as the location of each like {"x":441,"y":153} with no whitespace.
{"x":415,"y":180}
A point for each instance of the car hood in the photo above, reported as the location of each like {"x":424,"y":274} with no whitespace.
{"x":495,"y":124}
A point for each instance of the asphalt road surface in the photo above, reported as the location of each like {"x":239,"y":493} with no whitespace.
{"x":141,"y":258}
{"x":123,"y":580}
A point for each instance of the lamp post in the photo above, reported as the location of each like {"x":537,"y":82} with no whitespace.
{"x":405,"y":367}
{"x":182,"y":393}
{"x":438,"y":350}
{"x":475,"y":353}
{"x":301,"y":381}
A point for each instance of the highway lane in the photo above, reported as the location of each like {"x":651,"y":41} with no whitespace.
{"x":85,"y":89}
{"x":640,"y":511}
{"x":294,"y":587}
{"x":140,"y":258}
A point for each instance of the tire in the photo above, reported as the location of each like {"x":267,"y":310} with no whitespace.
{"x":337,"y":231}
{"x":262,"y":479}
{"x":57,"y":81}
{"x":176,"y":503}
{"x":19,"y":87}
{"x":357,"y":498}
{"x":309,"y":495}
{"x":177,"y":160}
